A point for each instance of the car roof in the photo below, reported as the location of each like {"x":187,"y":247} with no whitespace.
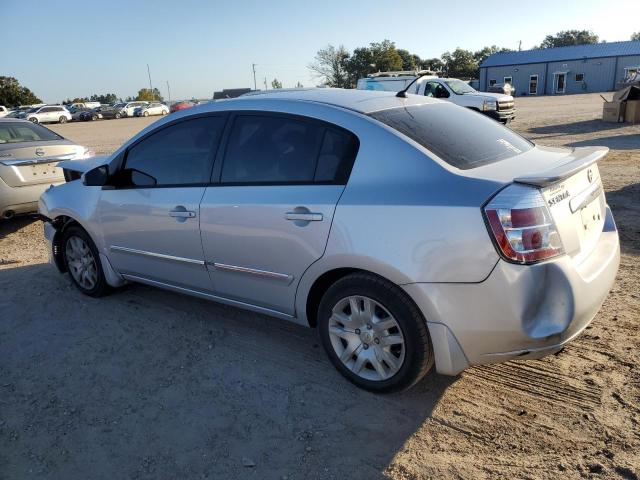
{"x":362,"y":101}
{"x":10,"y":120}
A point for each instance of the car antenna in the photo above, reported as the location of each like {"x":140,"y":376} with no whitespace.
{"x":403,"y":93}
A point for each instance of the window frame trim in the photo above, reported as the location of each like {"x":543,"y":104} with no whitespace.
{"x":216,"y":178}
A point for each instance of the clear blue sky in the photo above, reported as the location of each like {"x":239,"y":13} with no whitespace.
{"x":72,"y":48}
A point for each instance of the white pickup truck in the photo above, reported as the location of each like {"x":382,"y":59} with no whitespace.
{"x":496,"y":105}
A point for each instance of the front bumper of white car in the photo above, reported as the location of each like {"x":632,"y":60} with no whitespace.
{"x":518,"y":311}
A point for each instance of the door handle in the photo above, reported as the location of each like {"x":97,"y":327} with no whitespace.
{"x":303,"y":217}
{"x":181,"y":212}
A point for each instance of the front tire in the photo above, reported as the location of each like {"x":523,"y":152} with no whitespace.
{"x":33,"y":120}
{"x":146,"y":114}
{"x":374,"y":334}
{"x":118,"y":115}
{"x":83,"y":262}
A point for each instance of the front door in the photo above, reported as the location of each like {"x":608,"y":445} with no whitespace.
{"x":269,"y":218}
{"x":151,"y":219}
{"x":560,"y":82}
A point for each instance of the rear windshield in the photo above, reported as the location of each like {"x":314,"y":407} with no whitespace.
{"x":18,"y":132}
{"x":459,"y":136}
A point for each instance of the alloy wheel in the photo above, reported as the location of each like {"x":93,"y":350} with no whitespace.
{"x":81,"y":262}
{"x":366,"y":338}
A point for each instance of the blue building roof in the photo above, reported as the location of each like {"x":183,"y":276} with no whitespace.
{"x":574,"y":52}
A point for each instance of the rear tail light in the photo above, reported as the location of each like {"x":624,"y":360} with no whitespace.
{"x":521,"y":225}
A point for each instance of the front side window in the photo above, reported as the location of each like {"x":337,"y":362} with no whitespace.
{"x":281,"y":149}
{"x":180,"y":154}
{"x":459,"y":136}
{"x":436,"y":90}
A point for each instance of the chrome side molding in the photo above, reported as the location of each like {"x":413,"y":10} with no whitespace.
{"x":283,"y":277}
{"x":116,"y":248}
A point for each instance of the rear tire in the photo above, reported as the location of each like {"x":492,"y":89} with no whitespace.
{"x":62,"y":120}
{"x":83,"y":262}
{"x":385,"y":345}
{"x":164,"y":112}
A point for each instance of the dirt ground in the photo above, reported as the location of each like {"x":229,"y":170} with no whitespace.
{"x":149,"y":384}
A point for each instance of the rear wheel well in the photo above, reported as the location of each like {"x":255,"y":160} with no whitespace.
{"x":322,"y":284}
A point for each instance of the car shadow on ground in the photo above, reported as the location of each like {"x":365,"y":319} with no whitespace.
{"x":8,"y":227}
{"x":625,"y":205}
{"x":146,"y":383}
{"x":615,"y":142}
{"x":583,"y":126}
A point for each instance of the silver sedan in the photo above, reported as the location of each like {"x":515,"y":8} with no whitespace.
{"x":408,"y":231}
{"x":29,"y":154}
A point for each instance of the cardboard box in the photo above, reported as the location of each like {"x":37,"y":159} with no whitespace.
{"x":632,"y":111}
{"x":613,"y":111}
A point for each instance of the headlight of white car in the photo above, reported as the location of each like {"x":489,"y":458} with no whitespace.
{"x":489,"y":105}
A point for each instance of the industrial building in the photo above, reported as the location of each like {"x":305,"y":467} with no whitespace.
{"x":557,"y":71}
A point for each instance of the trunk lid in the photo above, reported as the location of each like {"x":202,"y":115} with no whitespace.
{"x":35,"y":162}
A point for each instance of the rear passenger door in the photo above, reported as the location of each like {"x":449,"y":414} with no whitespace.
{"x":267,"y":219}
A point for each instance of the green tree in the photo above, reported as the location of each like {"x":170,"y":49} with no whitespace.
{"x":635,"y":37}
{"x":148,"y":95}
{"x":433,"y":64}
{"x":330,"y":65}
{"x":299,"y":85}
{"x":275,"y":83}
{"x":104,"y":98}
{"x":460,"y":63}
{"x":569,"y":37}
{"x":13,"y":94}
{"x":377,"y":57}
{"x":410,"y":61}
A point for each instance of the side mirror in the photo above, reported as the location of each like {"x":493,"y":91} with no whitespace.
{"x":96,"y":177}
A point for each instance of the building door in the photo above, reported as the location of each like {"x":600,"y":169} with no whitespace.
{"x":533,"y":85}
{"x":560,"y":82}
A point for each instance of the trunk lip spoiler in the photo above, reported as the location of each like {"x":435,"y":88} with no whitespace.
{"x":582,"y":158}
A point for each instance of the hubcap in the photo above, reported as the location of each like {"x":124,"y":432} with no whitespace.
{"x":81,"y":263}
{"x":366,"y":338}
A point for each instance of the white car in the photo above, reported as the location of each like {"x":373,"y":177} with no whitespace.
{"x":497,"y":106}
{"x":154,"y":108}
{"x":4,"y":111}
{"x":48,"y":113}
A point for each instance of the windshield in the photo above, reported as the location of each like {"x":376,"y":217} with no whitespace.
{"x":119,"y":105}
{"x":459,"y":136}
{"x":460,"y":87}
{"x":18,"y":132}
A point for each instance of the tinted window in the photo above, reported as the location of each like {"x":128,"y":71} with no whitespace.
{"x":179,"y":154}
{"x":271,"y":149}
{"x":274,"y":149}
{"x":16,"y":132}
{"x":336,"y":157}
{"x":459,"y":136}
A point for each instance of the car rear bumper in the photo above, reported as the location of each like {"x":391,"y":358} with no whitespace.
{"x":518,"y":311}
{"x":20,"y":199}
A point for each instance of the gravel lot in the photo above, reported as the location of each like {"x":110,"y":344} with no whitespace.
{"x":150,"y":384}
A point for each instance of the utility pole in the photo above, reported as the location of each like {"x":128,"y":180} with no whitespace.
{"x":169,"y":90}
{"x":150,"y":87}
{"x":255,"y":85}
{"x":265,"y":83}
{"x":520,"y":45}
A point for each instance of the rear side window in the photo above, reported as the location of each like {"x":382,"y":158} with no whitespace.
{"x":17,"y":132}
{"x":461,"y":137}
{"x":179,"y":154}
{"x":266,"y":149}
